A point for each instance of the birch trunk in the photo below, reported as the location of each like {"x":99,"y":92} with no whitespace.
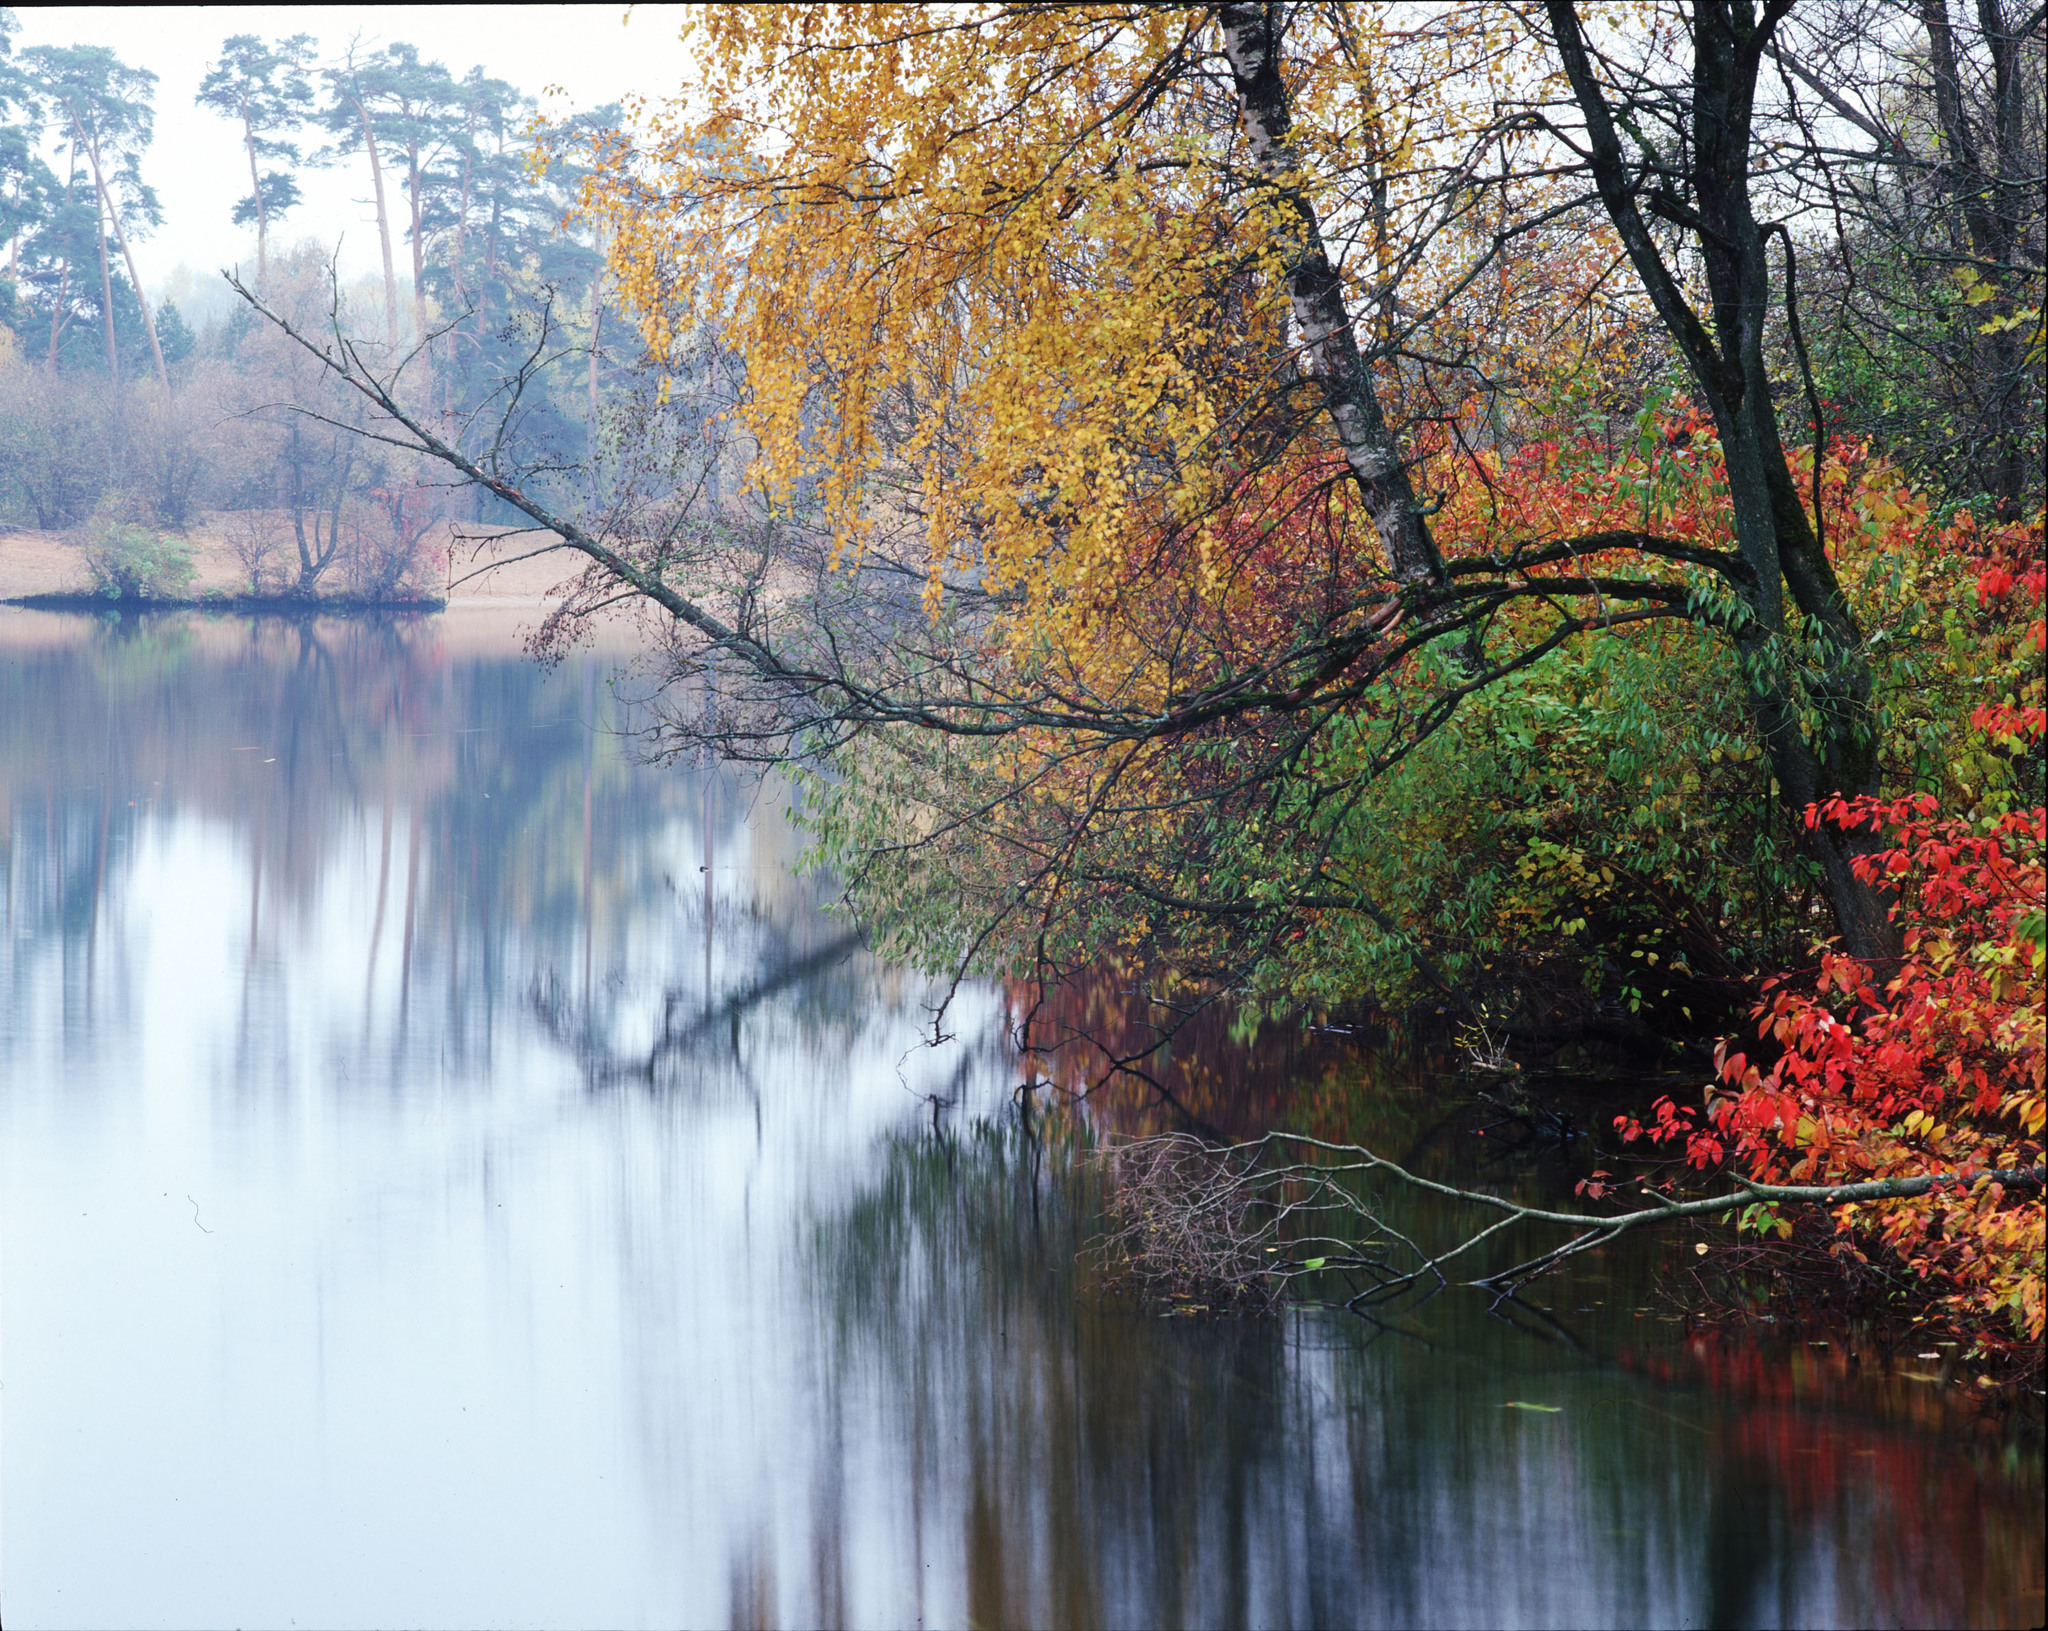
{"x":1330,"y":346}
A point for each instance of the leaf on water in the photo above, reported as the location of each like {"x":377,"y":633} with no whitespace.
{"x":1547,"y":1409}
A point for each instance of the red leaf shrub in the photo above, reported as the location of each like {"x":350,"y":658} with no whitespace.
{"x":1936,"y":1070}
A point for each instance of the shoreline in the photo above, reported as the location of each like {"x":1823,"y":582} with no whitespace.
{"x":499,"y":597}
{"x":46,"y":570}
{"x":243,"y":605}
{"x":480,"y":625}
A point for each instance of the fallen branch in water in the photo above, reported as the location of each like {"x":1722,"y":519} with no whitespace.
{"x":1194,"y":1219}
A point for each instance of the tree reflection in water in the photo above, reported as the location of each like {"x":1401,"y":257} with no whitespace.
{"x":1091,"y":1465}
{"x":589,"y":1240}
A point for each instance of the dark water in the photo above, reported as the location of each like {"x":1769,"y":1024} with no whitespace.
{"x":455,"y":1176}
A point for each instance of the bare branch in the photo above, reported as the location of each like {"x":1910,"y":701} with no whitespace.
{"x":1227,"y":1208}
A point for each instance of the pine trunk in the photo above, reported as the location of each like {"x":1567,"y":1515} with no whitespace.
{"x":156,"y":351}
{"x":383,"y":230}
{"x":99,"y":225}
{"x":256,"y":191}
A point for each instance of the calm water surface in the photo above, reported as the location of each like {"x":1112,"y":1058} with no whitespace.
{"x":456,"y":1175}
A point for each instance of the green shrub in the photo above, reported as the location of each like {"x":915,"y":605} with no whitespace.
{"x":130,"y":562}
{"x":1596,"y":829}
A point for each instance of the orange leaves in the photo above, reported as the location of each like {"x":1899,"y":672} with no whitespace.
{"x":1668,"y":481}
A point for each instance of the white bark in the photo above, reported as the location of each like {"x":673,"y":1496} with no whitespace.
{"x":1329,"y":345}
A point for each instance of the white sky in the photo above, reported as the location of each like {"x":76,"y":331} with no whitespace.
{"x":593,"y":53}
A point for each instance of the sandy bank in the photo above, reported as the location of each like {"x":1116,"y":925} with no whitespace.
{"x":494,"y":597}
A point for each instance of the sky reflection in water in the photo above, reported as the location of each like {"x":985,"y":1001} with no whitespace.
{"x":426,"y":1203}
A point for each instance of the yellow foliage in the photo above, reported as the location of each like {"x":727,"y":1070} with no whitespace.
{"x":997,"y":277}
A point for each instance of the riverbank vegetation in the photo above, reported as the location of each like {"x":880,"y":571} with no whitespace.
{"x":1496,"y":511}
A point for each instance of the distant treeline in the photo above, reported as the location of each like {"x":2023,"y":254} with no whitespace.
{"x":117,"y":409}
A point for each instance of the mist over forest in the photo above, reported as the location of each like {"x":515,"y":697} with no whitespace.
{"x":129,"y":408}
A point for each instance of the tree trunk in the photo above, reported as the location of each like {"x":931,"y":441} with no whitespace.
{"x":383,"y":230}
{"x":256,"y":190}
{"x":414,"y":181}
{"x":590,"y":412}
{"x":483,"y":299}
{"x":163,"y":374}
{"x":1330,"y":347}
{"x":99,"y":226}
{"x":64,"y":278}
{"x":1976,"y":181}
{"x":335,"y":506}
{"x":295,"y":501}
{"x":57,"y":317}
{"x":1772,"y":531}
{"x":315,"y":555}
{"x":461,"y":286}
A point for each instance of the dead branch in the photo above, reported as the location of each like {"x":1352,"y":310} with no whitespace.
{"x":1191,"y":1219}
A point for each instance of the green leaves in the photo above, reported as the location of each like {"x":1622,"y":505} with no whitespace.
{"x":138,"y":563}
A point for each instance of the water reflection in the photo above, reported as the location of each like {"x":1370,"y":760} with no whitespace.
{"x":1090,"y":1468}
{"x":454,"y":1174}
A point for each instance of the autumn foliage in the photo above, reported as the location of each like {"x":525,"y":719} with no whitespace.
{"x":1023,"y":324}
{"x":1934,"y":1068}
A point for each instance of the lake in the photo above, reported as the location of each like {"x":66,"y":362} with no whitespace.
{"x":455,"y":1173}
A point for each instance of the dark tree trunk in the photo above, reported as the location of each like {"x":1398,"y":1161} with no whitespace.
{"x":1979,"y":169}
{"x":1773,"y":533}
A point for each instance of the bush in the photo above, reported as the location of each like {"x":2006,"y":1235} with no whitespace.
{"x":387,"y":556}
{"x":60,"y":443}
{"x":255,"y":539}
{"x":1597,"y":833}
{"x":1937,"y":1070}
{"x":130,"y":562}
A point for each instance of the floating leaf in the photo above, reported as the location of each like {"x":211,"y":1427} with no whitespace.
{"x":1547,"y":1409}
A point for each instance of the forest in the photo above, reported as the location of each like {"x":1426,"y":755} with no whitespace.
{"x":127,"y":420}
{"x":1499,"y":516}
